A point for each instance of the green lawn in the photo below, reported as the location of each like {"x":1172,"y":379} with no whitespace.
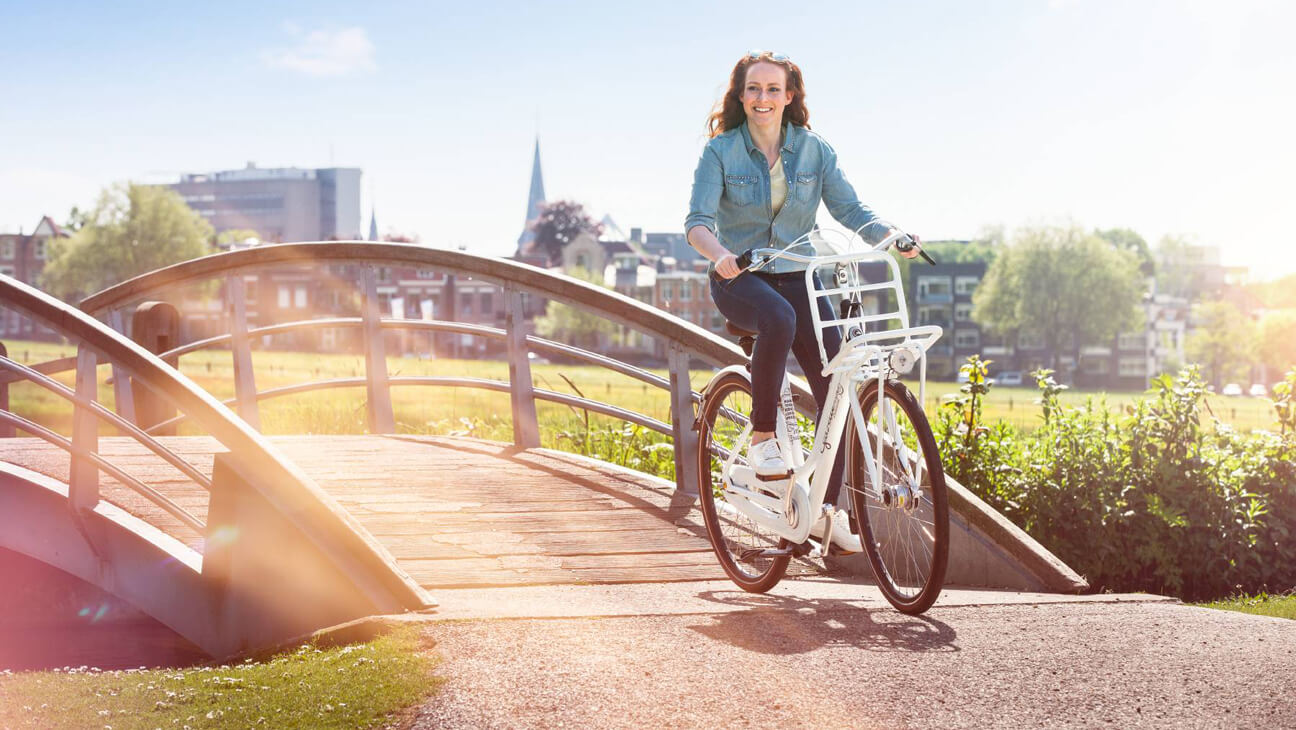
{"x":1280,"y":606}
{"x":358,"y":686}
{"x":485,"y":413}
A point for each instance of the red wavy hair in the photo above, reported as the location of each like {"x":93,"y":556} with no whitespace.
{"x":729,"y":113}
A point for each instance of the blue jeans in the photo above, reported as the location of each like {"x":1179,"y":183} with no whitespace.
{"x":777,"y":307}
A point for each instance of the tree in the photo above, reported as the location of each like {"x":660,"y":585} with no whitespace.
{"x":558,"y":224}
{"x":1275,"y":344}
{"x":1127,"y":240}
{"x":1064,"y":285}
{"x":574,"y":325}
{"x":132,"y":230}
{"x":1222,"y":341}
{"x":1179,"y":272}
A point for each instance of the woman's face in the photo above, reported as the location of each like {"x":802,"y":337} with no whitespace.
{"x":765,"y":94}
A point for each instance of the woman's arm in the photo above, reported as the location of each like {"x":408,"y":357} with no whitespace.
{"x":700,"y":225}
{"x":702,"y":239}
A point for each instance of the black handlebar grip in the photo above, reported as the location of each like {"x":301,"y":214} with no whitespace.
{"x":744,"y":259}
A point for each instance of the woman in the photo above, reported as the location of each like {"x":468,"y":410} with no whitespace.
{"x":758,"y":184}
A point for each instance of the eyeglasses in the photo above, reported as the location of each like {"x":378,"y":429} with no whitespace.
{"x":776,"y":57}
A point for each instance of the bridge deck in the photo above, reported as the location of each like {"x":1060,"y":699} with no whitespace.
{"x":453,"y":512}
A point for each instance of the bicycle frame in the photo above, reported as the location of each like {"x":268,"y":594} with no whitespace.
{"x":862,"y":360}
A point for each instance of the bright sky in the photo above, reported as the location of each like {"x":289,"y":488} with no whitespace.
{"x":1175,"y":117}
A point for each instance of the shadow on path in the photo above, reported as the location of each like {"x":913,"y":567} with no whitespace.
{"x":790,"y":625}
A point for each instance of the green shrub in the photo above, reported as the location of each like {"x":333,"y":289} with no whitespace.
{"x":1145,"y":499}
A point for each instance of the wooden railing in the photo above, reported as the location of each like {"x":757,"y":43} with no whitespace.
{"x":683,"y":341}
{"x":252,"y":461}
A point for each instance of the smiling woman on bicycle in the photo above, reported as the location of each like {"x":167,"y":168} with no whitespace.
{"x":759,"y":183}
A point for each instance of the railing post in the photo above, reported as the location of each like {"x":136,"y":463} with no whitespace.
{"x":6,"y":429}
{"x":526,"y":428}
{"x":123,"y":388}
{"x":241,"y":351}
{"x":156,"y":327}
{"x":381,"y":418}
{"x":83,"y":481}
{"x":686,"y":441}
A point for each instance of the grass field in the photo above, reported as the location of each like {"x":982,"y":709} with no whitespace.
{"x":445,"y":410}
{"x":358,"y":686}
{"x":1278,"y":606}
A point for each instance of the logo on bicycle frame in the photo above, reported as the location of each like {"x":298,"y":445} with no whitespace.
{"x":833,"y":414}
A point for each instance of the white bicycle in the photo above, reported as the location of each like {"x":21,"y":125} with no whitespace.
{"x":898,"y":504}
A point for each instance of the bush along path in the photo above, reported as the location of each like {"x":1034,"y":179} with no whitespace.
{"x":1141,"y":499}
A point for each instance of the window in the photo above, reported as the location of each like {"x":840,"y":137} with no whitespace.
{"x":582,"y":261}
{"x":965,"y":285}
{"x":1094,"y":365}
{"x":934,"y":315}
{"x":465,"y":304}
{"x":1132,"y":367}
{"x":39,"y":249}
{"x":967,"y":339}
{"x":962,"y":312}
{"x":1030,"y":341}
{"x":933,"y":286}
{"x":299,"y":296}
{"x":686,"y":291}
{"x":7,"y":249}
{"x":487,"y":303}
{"x":668,"y":290}
{"x":1131,"y":341}
{"x":384,"y":274}
{"x":285,"y":297}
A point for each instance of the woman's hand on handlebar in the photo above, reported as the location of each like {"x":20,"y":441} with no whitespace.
{"x":727,"y":266}
{"x":907,"y":249}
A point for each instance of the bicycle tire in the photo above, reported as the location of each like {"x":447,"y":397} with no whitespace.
{"x":908,"y":547}
{"x":735,"y":539}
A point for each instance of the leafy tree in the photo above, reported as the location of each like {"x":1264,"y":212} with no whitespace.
{"x":574,"y":325}
{"x":1222,"y":342}
{"x":1275,"y":345}
{"x":1067,"y":286}
{"x":133,"y":229}
{"x":1178,"y":269}
{"x":558,"y":224}
{"x":1128,"y":240}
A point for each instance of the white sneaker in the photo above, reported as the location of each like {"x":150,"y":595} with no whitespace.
{"x":766,"y":459}
{"x":844,"y":542}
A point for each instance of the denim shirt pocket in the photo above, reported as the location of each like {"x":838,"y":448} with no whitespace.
{"x":741,"y":189}
{"x":806,"y":183}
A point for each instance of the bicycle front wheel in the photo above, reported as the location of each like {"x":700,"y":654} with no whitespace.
{"x":903,"y":520}
{"x":740,"y":544}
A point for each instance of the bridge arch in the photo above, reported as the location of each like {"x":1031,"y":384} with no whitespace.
{"x":257,"y":498}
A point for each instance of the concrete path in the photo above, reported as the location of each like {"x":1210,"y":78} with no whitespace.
{"x":820,"y":653}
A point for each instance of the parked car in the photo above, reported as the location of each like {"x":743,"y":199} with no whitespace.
{"x":1232,"y":389}
{"x":1010,"y":378}
{"x":1258,"y":390}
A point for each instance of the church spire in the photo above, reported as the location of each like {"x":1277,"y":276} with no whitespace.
{"x":534,"y":199}
{"x":373,"y":224}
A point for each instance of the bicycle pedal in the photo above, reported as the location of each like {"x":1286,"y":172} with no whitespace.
{"x":801,"y":550}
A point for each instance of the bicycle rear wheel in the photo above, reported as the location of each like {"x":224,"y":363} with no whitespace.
{"x":906,"y":539}
{"x":738,"y":541}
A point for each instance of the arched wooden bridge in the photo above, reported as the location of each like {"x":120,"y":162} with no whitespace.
{"x":239,"y":541}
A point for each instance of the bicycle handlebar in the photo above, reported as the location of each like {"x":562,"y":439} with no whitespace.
{"x":748,"y":261}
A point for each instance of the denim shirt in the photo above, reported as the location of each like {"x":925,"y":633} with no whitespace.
{"x":731,"y":194}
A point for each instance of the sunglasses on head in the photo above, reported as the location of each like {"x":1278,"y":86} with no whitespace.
{"x":776,"y":57}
